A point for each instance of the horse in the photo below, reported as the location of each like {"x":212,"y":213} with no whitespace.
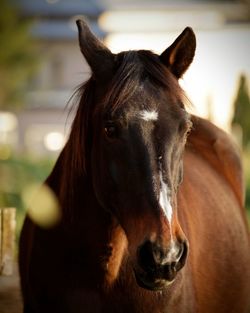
{"x":151,"y":198}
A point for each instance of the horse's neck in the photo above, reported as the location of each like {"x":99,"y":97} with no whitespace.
{"x":217,"y":148}
{"x":72,"y":188}
{"x":86,"y":221}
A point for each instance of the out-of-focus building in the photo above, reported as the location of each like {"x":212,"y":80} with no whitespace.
{"x":45,"y":121}
{"x":223,"y":35}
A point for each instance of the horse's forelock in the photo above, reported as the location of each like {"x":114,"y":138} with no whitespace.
{"x":133,"y":69}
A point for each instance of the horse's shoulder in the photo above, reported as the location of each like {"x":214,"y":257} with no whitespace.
{"x":219,"y":150}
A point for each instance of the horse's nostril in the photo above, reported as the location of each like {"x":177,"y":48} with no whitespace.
{"x":181,"y":259}
{"x":158,"y":266}
{"x":153,"y":259}
{"x":146,"y":258}
{"x":173,"y":265}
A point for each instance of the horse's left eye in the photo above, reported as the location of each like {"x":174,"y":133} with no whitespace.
{"x":110,"y":130}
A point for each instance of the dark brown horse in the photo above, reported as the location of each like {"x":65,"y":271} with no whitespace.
{"x":132,"y":236}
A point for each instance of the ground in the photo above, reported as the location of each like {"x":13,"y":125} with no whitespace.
{"x":10,"y":295}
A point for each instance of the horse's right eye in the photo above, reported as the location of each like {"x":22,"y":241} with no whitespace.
{"x":110,"y":130}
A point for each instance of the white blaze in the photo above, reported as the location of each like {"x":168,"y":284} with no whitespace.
{"x":149,"y":115}
{"x":164,"y":200}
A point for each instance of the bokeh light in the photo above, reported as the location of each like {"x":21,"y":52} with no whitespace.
{"x":43,"y":206}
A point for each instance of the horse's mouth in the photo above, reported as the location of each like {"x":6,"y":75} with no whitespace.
{"x":150,"y":283}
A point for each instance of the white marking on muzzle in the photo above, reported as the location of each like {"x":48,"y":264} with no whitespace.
{"x":149,"y":115}
{"x":165,"y":199}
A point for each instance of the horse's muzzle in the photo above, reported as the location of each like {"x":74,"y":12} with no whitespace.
{"x":153,"y":284}
{"x":158,"y":268}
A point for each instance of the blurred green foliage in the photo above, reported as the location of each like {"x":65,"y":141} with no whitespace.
{"x":246,"y":162}
{"x":242,"y":118}
{"x":242,"y":111}
{"x":18,"y":56}
{"x":17,"y":173}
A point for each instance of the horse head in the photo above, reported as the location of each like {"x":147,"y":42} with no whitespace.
{"x":137,"y":131}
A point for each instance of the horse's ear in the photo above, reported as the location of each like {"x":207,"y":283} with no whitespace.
{"x":97,"y":55}
{"x":180,"y":54}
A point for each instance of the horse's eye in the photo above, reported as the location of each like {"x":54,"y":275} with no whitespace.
{"x":110,"y":130}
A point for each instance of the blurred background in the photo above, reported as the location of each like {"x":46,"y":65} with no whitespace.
{"x":40,"y":66}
